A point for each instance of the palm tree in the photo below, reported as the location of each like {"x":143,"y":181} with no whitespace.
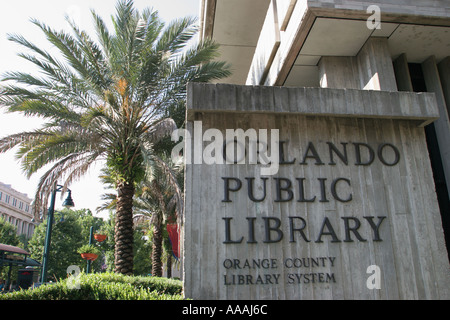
{"x":105,"y":100}
{"x":160,"y":198}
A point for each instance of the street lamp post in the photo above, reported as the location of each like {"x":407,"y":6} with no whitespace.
{"x":88,"y":267}
{"x":93,"y":237}
{"x":68,"y":203}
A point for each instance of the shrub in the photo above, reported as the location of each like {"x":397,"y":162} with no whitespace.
{"x":104,"y":286}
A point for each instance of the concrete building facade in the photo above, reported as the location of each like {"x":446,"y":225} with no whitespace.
{"x":383,"y":45}
{"x":15,"y":208}
{"x":355,"y":96}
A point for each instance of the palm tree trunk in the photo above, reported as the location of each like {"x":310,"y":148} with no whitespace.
{"x":157,"y":250}
{"x":124,"y":229}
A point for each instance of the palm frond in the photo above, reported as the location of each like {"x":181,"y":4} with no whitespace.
{"x":109,"y":202}
{"x":177,"y":34}
{"x":171,"y":173}
{"x":13,"y":140}
{"x":160,"y":129}
{"x":72,"y":163}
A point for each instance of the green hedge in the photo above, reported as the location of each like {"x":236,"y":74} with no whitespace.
{"x":103,"y":286}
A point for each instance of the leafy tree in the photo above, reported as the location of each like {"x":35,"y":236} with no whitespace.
{"x":70,"y":231}
{"x":106,"y":99}
{"x":8,"y":233}
{"x":66,"y":238}
{"x":109,"y":244}
{"x":142,"y":252}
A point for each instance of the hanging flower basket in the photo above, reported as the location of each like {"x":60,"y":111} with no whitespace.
{"x":89,"y":252}
{"x":100,"y":237}
{"x":89,"y":256}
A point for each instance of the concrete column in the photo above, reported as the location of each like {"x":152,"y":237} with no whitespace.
{"x":371,"y":69}
{"x":444,"y":74}
{"x":338,"y":73}
{"x":24,"y":229}
{"x":441,"y":125}
{"x":19,"y":226}
{"x":402,"y":74}
{"x":267,"y":47}
{"x":376,"y":71}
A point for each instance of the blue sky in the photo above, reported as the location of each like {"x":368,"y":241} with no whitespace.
{"x":15,"y":19}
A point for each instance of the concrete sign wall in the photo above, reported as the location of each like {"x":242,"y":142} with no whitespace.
{"x":323,"y":194}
